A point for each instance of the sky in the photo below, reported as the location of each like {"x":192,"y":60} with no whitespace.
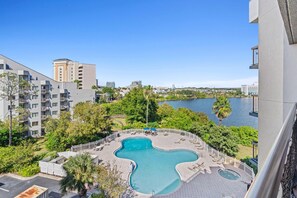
{"x":160,"y":42}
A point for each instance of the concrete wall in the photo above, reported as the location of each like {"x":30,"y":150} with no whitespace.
{"x":277,"y":80}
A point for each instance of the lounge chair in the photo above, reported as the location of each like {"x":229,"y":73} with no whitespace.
{"x":133,"y":133}
{"x":217,"y":159}
{"x":212,"y":155}
{"x":165,"y":134}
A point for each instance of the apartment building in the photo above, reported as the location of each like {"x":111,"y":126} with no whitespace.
{"x":249,"y":89}
{"x":110,"y":84}
{"x":46,"y":98}
{"x":276,"y":59}
{"x":66,"y":70}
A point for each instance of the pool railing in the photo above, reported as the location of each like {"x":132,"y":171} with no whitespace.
{"x":227,"y":159}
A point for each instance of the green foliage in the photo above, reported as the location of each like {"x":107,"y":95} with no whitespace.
{"x":134,"y":105}
{"x":79,"y":173}
{"x":246,"y":135}
{"x":114,"y":108}
{"x":101,"y":195}
{"x":165,"y":110}
{"x":183,"y":119}
{"x":222,"y":108}
{"x":91,"y":120}
{"x":110,"y":181}
{"x":14,"y":158}
{"x":223,"y":139}
{"x":30,"y":170}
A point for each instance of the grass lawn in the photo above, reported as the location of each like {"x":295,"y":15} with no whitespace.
{"x":244,"y":151}
{"x":117,"y":123}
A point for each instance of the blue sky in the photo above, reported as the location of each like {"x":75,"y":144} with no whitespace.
{"x":161,"y":42}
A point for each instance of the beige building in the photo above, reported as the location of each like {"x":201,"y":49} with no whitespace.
{"x":66,"y":70}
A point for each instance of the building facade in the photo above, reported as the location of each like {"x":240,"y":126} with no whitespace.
{"x":66,"y":70}
{"x":249,"y":89}
{"x":277,"y":63}
{"x":135,"y":84}
{"x":110,"y":84}
{"x":47,"y":97}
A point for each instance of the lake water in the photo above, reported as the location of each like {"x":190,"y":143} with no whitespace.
{"x":239,"y":116}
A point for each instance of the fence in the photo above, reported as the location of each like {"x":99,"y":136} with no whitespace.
{"x":227,"y":160}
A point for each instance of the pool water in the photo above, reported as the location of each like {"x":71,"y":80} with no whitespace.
{"x":155,"y":172}
{"x":229,"y":174}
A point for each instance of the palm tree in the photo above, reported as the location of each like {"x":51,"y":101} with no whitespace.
{"x":147,"y":92}
{"x":222,"y":108}
{"x":79,"y":174}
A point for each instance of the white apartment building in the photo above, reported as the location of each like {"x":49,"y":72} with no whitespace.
{"x":48,"y":97}
{"x":66,"y":70}
{"x":276,"y":59}
{"x":249,"y":89}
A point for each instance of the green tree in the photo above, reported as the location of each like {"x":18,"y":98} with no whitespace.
{"x":147,"y":92}
{"x":165,"y":110}
{"x":17,"y":132}
{"x":11,"y":85}
{"x":110,"y":181}
{"x":223,"y":139}
{"x":77,"y":83}
{"x":134,"y":106}
{"x":79,"y":174}
{"x":222,"y":108}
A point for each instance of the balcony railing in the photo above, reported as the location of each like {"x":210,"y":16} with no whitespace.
{"x":255,"y":64}
{"x":255,"y":106}
{"x":280,"y":164}
{"x":64,"y":107}
{"x":23,"y":100}
{"x":45,"y":108}
{"x":43,"y":100}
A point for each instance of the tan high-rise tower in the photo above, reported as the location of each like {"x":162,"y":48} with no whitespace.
{"x":66,"y":70}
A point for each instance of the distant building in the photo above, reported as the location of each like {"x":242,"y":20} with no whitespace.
{"x":110,"y":84}
{"x":136,"y":84}
{"x":249,"y":89}
{"x":66,"y":70}
{"x":48,"y":98}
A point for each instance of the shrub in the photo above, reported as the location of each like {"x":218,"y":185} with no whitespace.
{"x":29,"y":170}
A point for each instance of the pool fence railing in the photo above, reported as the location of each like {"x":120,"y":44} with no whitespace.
{"x":227,"y":159}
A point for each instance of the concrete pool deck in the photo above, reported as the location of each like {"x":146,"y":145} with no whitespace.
{"x":172,"y":142}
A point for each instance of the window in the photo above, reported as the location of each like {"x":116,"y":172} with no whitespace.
{"x":55,"y":96}
{"x":55,"y":104}
{"x":34,"y":88}
{"x":34,"y":106}
{"x":34,"y":123}
{"x":35,"y":132}
{"x":34,"y":96}
{"x":1,"y":66}
{"x":55,"y":112}
{"x":34,"y":115}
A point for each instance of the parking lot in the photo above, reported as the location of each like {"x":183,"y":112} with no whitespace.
{"x":11,"y":186}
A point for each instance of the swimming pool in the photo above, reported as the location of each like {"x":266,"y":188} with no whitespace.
{"x":155,"y":171}
{"x":229,"y":174}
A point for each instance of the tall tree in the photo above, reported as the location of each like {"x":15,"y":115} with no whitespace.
{"x":11,"y":86}
{"x":147,"y":92}
{"x":134,"y":105}
{"x":79,"y":174}
{"x":222,"y":108}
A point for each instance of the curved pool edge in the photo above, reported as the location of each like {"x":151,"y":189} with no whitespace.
{"x":158,"y":148}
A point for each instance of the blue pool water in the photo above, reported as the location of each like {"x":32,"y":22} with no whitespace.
{"x":229,"y":174}
{"x":155,"y":171}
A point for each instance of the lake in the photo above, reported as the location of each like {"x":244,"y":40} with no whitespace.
{"x":239,"y":116}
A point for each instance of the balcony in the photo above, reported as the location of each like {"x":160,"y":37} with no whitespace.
{"x":255,"y":64}
{"x":44,"y":100}
{"x":63,"y":99}
{"x":254,"y":111}
{"x":44,"y":117}
{"x":64,"y":107}
{"x":277,"y":173}
{"x":23,"y":119}
{"x":23,"y":100}
{"x":44,"y":91}
{"x":253,"y":11}
{"x":45,"y":108}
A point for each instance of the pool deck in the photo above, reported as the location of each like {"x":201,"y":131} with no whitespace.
{"x":208,"y":175}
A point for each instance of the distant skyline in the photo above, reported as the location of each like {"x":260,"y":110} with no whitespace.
{"x":161,"y":43}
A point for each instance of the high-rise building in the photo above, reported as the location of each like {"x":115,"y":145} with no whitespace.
{"x":277,"y":65}
{"x":249,"y":89}
{"x":110,"y":84}
{"x":66,"y":70}
{"x":47,"y":98}
{"x":136,"y":84}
